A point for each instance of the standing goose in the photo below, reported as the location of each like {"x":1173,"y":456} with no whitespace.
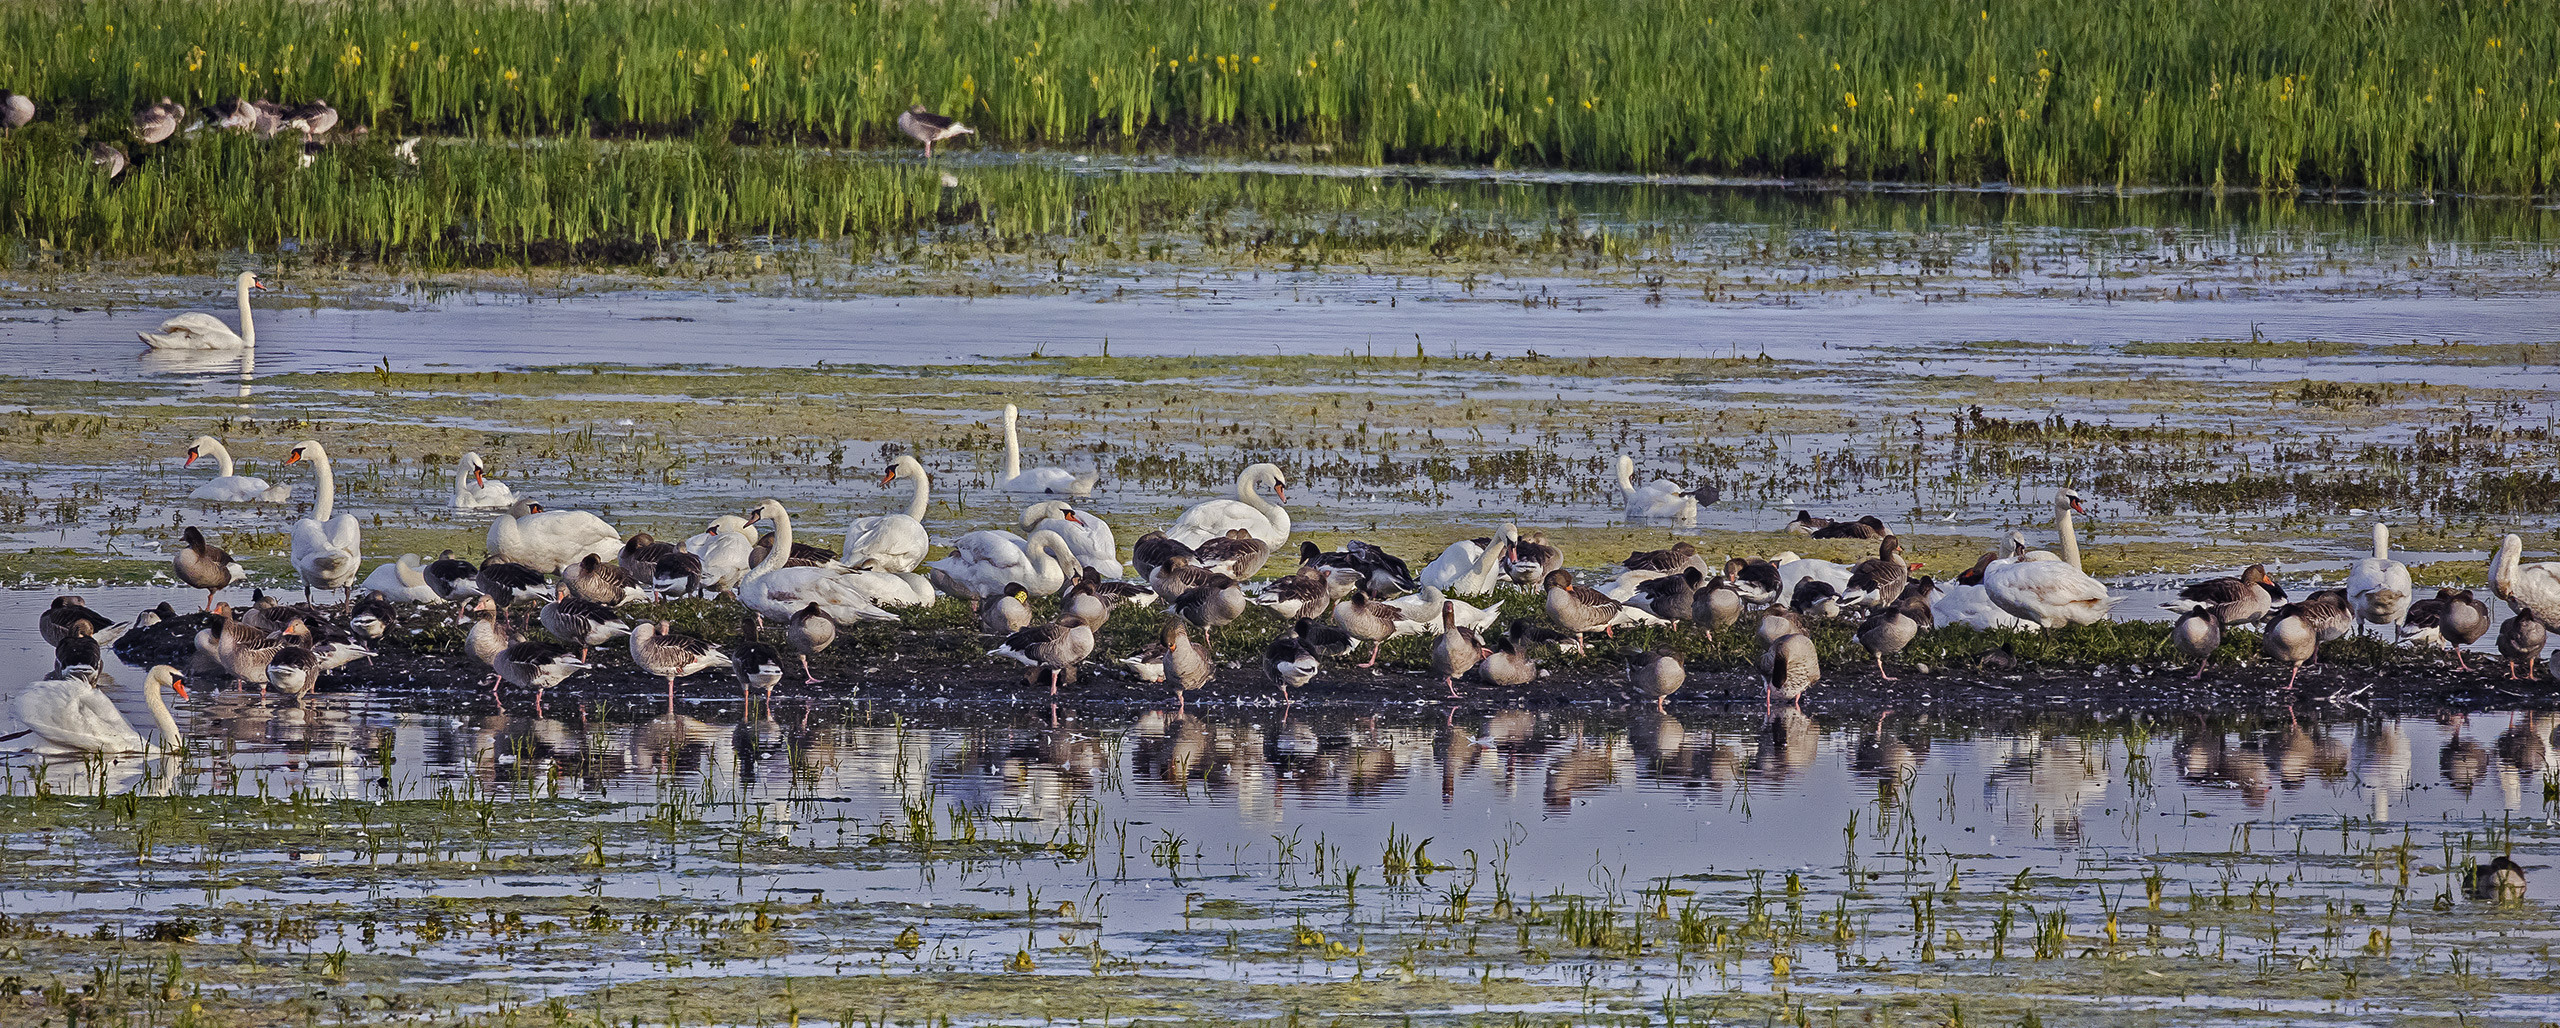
{"x":660,"y":652}
{"x":1010,"y":611}
{"x":1290,"y":661}
{"x":548,"y":540}
{"x":1658,"y":674}
{"x":1210,"y":604}
{"x":2522,"y":637}
{"x":582,"y":623}
{"x":1471,"y":567}
{"x":1304,"y":594}
{"x":327,"y":551}
{"x":202,"y":565}
{"x":1186,"y":665}
{"x":1051,"y":650}
{"x":401,"y":581}
{"x":773,"y":589}
{"x":294,"y":671}
{"x":506,"y":582}
{"x":2533,"y":587}
{"x":2050,"y":591}
{"x":929,"y":128}
{"x":487,"y":637}
{"x":1581,"y":610}
{"x":1369,"y":621}
{"x":2453,"y":619}
{"x":2378,"y":586}
{"x":1889,"y":631}
{"x":1878,"y":581}
{"x":1052,"y":480}
{"x":2197,"y":634}
{"x":2291,"y":637}
{"x":61,"y":717}
{"x":1717,"y":604}
{"x":156,"y":122}
{"x":759,"y":666}
{"x":1660,"y":498}
{"x":1264,"y":519}
{"x":536,"y":665}
{"x":1458,"y":649}
{"x":893,"y":542}
{"x":472,"y":488}
{"x":809,"y":631}
{"x":2243,"y":599}
{"x":226,"y":487}
{"x":193,"y":331}
{"x":1790,"y":666}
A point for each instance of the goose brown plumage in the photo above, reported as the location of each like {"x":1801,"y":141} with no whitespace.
{"x":205,"y":566}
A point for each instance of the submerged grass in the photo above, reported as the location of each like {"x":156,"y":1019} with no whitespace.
{"x":2399,"y":96}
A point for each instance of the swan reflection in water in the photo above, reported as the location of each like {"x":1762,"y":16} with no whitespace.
{"x":204,"y":362}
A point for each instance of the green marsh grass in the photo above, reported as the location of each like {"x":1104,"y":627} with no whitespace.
{"x":2397,"y":96}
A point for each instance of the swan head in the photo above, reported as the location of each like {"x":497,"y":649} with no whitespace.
{"x":1270,"y":475}
{"x":2069,"y":499}
{"x":250,"y":283}
{"x":472,"y":467}
{"x":202,"y":445}
{"x":729,"y":523}
{"x":166,"y":677}
{"x":765,"y":511}
{"x":1033,"y":515}
{"x":305,"y":450}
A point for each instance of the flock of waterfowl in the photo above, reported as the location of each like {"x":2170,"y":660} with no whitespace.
{"x":582,"y":575}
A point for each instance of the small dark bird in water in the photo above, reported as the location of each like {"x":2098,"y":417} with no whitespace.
{"x":2500,"y":880}
{"x":929,"y":128}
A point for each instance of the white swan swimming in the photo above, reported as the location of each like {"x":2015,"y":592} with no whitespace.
{"x":2046,"y":589}
{"x":548,"y":540}
{"x":227,"y":487}
{"x":893,"y":542}
{"x":1263,"y":519}
{"x":776,"y":590}
{"x":982,"y":563}
{"x":472,"y":488}
{"x":1089,"y":536}
{"x":327,"y":551}
{"x":66,"y":716}
{"x":1037,"y":480}
{"x":193,"y":331}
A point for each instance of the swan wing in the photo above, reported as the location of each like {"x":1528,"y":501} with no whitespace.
{"x":1454,"y":570}
{"x":237,"y":489}
{"x":792,"y":588}
{"x":2047,"y":592}
{"x":888,"y":542}
{"x":72,"y":716}
{"x":1210,"y":519}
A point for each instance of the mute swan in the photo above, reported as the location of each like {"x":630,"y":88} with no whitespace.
{"x":1037,"y":480}
{"x":2533,"y":587}
{"x":227,"y":487}
{"x":1794,"y":570}
{"x":1965,"y":602}
{"x":62,"y":716}
{"x":548,"y":540}
{"x":1267,"y":521}
{"x":724,"y":548}
{"x":2050,"y":591}
{"x":193,"y":331}
{"x":404,"y":581}
{"x":1468,"y":568}
{"x":776,"y":590}
{"x":1428,"y":610}
{"x":982,"y":562}
{"x":327,"y":551}
{"x":892,"y":542}
{"x":1660,"y":498}
{"x":1089,"y":536}
{"x":472,"y":488}
{"x":2378,"y":586}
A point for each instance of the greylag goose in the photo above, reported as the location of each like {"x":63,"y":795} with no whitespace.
{"x":664,"y":567}
{"x":1510,"y":662}
{"x":294,"y":671}
{"x":1878,"y":581}
{"x":1051,"y":480}
{"x":2290,"y":637}
{"x":2452,"y":619}
{"x":327,"y":551}
{"x":1186,"y":664}
{"x":1582,"y":609}
{"x":506,"y":581}
{"x":1777,"y":623}
{"x":2533,"y":587}
{"x":1237,"y":554}
{"x":77,"y":655}
{"x":70,"y":612}
{"x":315,"y":119}
{"x":2243,"y":599}
{"x":1265,"y":520}
{"x":452,"y":578}
{"x":1888,"y":631}
{"x":156,"y":122}
{"x":1758,"y":582}
{"x":536,"y":665}
{"x":1790,"y":667}
{"x":929,"y":128}
{"x":810,"y":631}
{"x":1303,"y":594}
{"x":1814,"y":597}
{"x":109,"y":159}
{"x":2051,"y":591}
{"x":1678,"y":556}
{"x":64,"y":716}
{"x":472,"y":488}
{"x":205,"y":566}
{"x":1530,"y":560}
{"x":1362,"y":565}
{"x":1010,"y":611}
{"x":226,"y":487}
{"x":1471,"y":567}
{"x":1866,"y":527}
{"x":1672,"y":597}
{"x":1154,"y":551}
{"x":2197,"y":634}
{"x":487,"y":637}
{"x":1662,"y":497}
{"x":893,"y":542}
{"x":194,"y":331}
{"x":1457,"y":651}
{"x":658,"y":651}
{"x":403,"y":581}
{"x":1657,"y":674}
{"x":16,"y":110}
{"x":1327,"y":640}
{"x":597,"y":580}
{"x":2523,"y":637}
{"x":1290,"y":661}
{"x":582,"y":623}
{"x":2378,"y":586}
{"x":2330,"y":616}
{"x":1717,"y":605}
{"x":373,"y":616}
{"x":1051,"y":650}
{"x":1370,"y":621}
{"x":1210,"y":604}
{"x":156,"y":615}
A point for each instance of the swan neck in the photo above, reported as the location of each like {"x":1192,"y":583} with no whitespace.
{"x":248,"y":327}
{"x":160,"y":716}
{"x":1012,"y":445}
{"x":775,"y":558}
{"x":1626,"y":475}
{"x":2070,"y":531}
{"x":918,"y":504}
{"x":1492,"y":555}
{"x":1252,"y":497}
{"x":2381,"y":542}
{"x":328,"y":498}
{"x":2502,"y":568}
{"x":222,"y":458}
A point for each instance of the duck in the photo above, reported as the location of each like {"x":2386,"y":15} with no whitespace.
{"x":1530,"y":559}
{"x":401,"y":581}
{"x":2198,"y":634}
{"x":2533,"y":587}
{"x":810,"y":631}
{"x":2501,"y":880}
{"x":2290,"y":637}
{"x":1471,"y":567}
{"x":226,"y":486}
{"x":598,"y":580}
{"x":548,"y":540}
{"x":327,"y":551}
{"x":472,"y":489}
{"x":1186,"y":665}
{"x":2051,"y":591}
{"x":929,"y":128}
{"x":1237,"y":554}
{"x":981,"y":563}
{"x":1790,"y":666}
{"x":581,"y":622}
{"x":659,"y":651}
{"x":1662,"y":497}
{"x":69,"y":613}
{"x":775,"y":590}
{"x":2243,"y":599}
{"x":205,"y":566}
{"x":1888,"y":631}
{"x":1291,"y":661}
{"x":1266,"y":520}
{"x":452,"y":578}
{"x":2378,"y":586}
{"x":894,"y":542}
{"x":194,"y":331}
{"x":1368,"y":620}
{"x":536,"y":665}
{"x":1051,"y":480}
{"x":725,"y":548}
{"x":1657,"y":673}
{"x":69,"y":716}
{"x":759,"y":666}
{"x":2522,"y":637}
{"x":1878,"y":581}
{"x":1582,"y":609}
{"x":1051,"y":650}
{"x":2452,"y":619}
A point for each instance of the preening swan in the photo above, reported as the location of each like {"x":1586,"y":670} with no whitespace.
{"x":548,"y":540}
{"x":327,"y":551}
{"x":726,"y":548}
{"x":402,"y":581}
{"x":892,"y":542}
{"x":2378,"y":586}
{"x":776,"y":590}
{"x":1089,"y":536}
{"x":193,"y":331}
{"x":472,"y":488}
{"x":1660,"y":498}
{"x":227,"y":487}
{"x":1037,"y":480}
{"x":2533,"y":587}
{"x":2048,"y":590}
{"x":1264,"y":519}
{"x":63,"y":716}
{"x":982,"y":563}
{"x":1468,"y":568}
